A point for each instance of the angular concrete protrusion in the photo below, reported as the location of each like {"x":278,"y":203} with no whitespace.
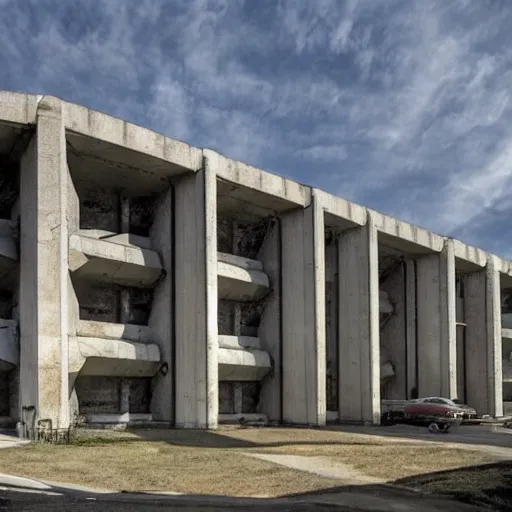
{"x":437,"y":334}
{"x":359,"y":351}
{"x":44,"y":268}
{"x":119,"y":263}
{"x":196,"y":352}
{"x":241,"y":359}
{"x":241,"y":279}
{"x":303,"y":316}
{"x":114,"y":358}
{"x":9,"y":345}
{"x":482,"y":310}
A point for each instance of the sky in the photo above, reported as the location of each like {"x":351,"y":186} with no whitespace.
{"x":403,"y":106}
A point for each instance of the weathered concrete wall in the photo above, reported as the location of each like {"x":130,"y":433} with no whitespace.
{"x":98,"y":395}
{"x":303,"y":316}
{"x":331,"y":323}
{"x":44,"y":268}
{"x":437,"y":360}
{"x":393,"y":337}
{"x":269,"y":326}
{"x":196,"y":301}
{"x":359,"y":365}
{"x":5,"y":379}
{"x":99,"y":207}
{"x":161,"y":317}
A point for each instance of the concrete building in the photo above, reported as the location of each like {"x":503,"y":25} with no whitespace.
{"x":144,"y":280}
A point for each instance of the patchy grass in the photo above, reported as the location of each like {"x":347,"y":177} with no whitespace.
{"x":202,"y":462}
{"x":157,"y":466}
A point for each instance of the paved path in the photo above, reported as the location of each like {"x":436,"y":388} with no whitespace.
{"x":11,"y":441}
{"x":26,"y":494}
{"x":321,"y":466}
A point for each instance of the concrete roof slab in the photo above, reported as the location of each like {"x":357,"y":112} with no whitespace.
{"x":17,"y":107}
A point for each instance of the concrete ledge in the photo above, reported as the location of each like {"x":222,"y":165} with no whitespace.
{"x":243,"y":364}
{"x":111,"y":262}
{"x":19,"y":108}
{"x":239,"y":279}
{"x":340,"y":212}
{"x":239,"y":261}
{"x":112,"y":331}
{"x":261,"y":419}
{"x":117,"y":419}
{"x":134,"y":139}
{"x":404,"y":236}
{"x":143,"y":242}
{"x":469,"y":254}
{"x":9,"y":344}
{"x":115,"y":358}
{"x":239,"y":342}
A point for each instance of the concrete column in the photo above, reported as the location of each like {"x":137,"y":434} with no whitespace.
{"x":269,"y":330}
{"x":437,"y":333}
{"x":303,"y":316}
{"x":196,"y":361}
{"x":44,"y":268}
{"x":161,"y":318}
{"x":359,"y":351}
{"x":483,"y":340}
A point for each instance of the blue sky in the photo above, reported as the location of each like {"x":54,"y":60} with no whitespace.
{"x":401,"y":105}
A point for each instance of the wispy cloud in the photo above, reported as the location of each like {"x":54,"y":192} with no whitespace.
{"x":404,"y":106}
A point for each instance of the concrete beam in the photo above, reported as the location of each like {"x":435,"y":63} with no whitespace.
{"x":303,"y":316}
{"x":358,"y":316}
{"x":112,"y":331}
{"x":44,"y":268}
{"x":196,"y":353}
{"x":130,"y":137}
{"x":436,"y":339}
{"x":18,"y":108}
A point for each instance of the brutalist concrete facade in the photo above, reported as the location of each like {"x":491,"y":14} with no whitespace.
{"x":144,"y":280}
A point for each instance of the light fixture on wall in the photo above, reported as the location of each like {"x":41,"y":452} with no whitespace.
{"x":164,"y":369}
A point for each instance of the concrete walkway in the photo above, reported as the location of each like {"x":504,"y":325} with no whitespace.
{"x":11,"y":441}
{"x":321,"y":466}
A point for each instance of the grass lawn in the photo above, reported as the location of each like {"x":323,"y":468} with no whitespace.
{"x":213,"y":463}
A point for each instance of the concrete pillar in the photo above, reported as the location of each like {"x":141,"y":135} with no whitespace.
{"x":269,"y":330}
{"x":359,"y":354}
{"x":303,"y":316}
{"x":196,"y":360}
{"x":44,"y":268}
{"x":482,"y":313}
{"x":161,"y":318}
{"x":436,"y":330}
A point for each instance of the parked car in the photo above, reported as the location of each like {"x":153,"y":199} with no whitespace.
{"x":469,"y":412}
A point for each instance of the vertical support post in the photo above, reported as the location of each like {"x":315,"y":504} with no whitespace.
{"x":44,"y":268}
{"x":494,"y":341}
{"x":359,"y":350}
{"x":437,"y":331}
{"x":303,"y":316}
{"x":196,"y":363}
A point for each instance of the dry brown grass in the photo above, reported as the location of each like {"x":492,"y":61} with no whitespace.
{"x":213,"y":463}
{"x":158,"y":466}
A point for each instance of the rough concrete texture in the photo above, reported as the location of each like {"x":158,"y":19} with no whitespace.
{"x":169,"y":246}
{"x":44,"y":268}
{"x":436,"y":343}
{"x":359,"y":360}
{"x":196,"y":355}
{"x":303,"y":316}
